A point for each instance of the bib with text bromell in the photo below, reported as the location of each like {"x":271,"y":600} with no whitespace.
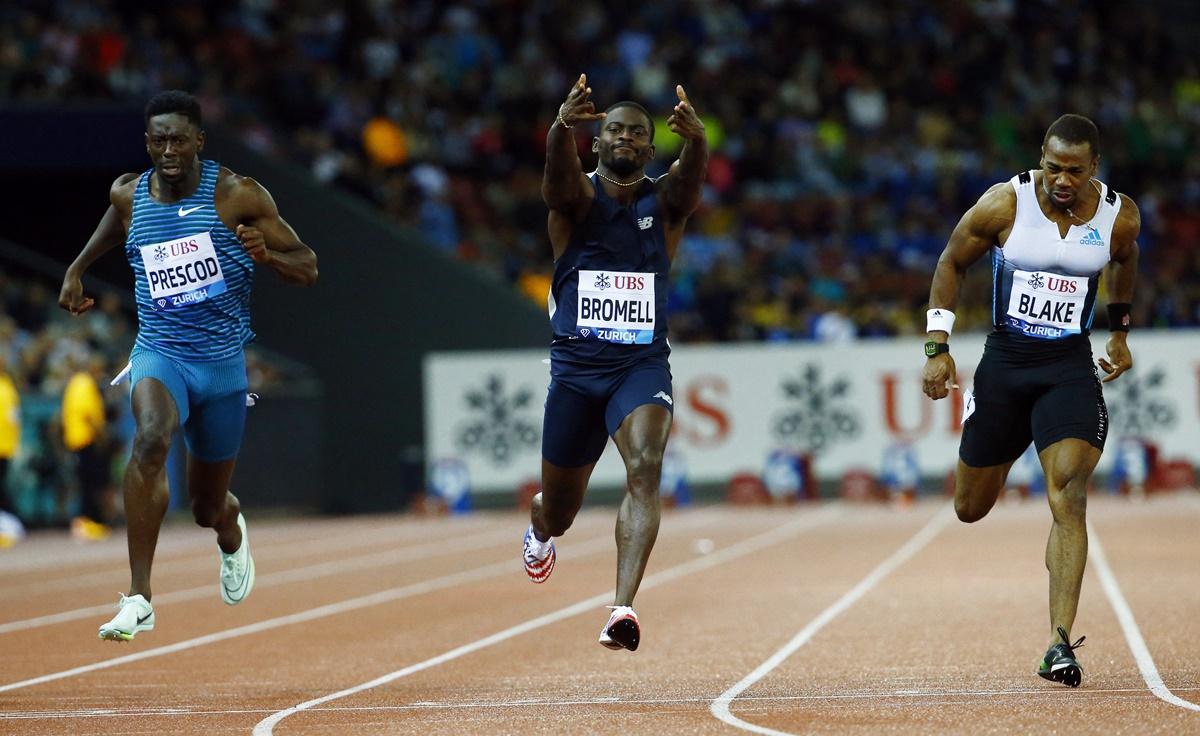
{"x":1047,"y":305}
{"x":182,"y":272}
{"x":616,"y":306}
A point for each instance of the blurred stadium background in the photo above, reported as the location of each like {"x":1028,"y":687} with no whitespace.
{"x":405,"y":142}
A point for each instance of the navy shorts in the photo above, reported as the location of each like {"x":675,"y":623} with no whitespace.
{"x":210,"y":397}
{"x":1016,"y":402}
{"x":582,"y":412}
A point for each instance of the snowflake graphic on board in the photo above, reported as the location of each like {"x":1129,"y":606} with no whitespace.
{"x":601,"y":282}
{"x":160,"y":254}
{"x":817,"y":414}
{"x":1138,"y":404}
{"x":500,"y":424}
{"x":1036,"y":281}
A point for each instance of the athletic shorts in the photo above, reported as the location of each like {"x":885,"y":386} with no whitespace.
{"x":583,"y":412}
{"x":1017,"y":401}
{"x":210,"y":397}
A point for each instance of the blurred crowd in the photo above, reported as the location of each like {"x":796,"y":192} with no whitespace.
{"x":64,"y":430}
{"x":847,"y":138}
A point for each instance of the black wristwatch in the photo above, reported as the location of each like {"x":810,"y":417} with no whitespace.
{"x":933,"y":347}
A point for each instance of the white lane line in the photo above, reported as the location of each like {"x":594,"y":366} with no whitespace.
{"x":308,"y":572}
{"x":720,"y":706}
{"x":194,"y":561}
{"x":582,"y":549}
{"x":599,"y":700}
{"x":739,"y":549}
{"x":1133,"y":634}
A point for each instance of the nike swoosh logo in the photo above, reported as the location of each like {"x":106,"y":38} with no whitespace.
{"x":142,"y":619}
{"x":190,"y":210}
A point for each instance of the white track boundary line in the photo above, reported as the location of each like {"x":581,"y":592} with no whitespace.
{"x":299,"y":574}
{"x":756,"y":543}
{"x":1133,"y":635}
{"x":599,"y":700}
{"x":589,"y":547}
{"x":720,"y":706}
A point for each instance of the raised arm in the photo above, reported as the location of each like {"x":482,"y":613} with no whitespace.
{"x":1119,"y":278}
{"x":265,"y":235}
{"x":975,"y":234}
{"x":565,"y":189}
{"x":683,"y":187}
{"x":108,"y":234}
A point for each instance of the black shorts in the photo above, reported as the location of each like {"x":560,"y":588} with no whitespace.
{"x":583,"y":411}
{"x":1018,"y":400}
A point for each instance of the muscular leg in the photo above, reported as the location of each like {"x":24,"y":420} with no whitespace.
{"x":976,"y":489}
{"x":213,"y":505}
{"x":554,"y":509}
{"x":641,"y":439}
{"x":1068,"y":465}
{"x":145,"y":482}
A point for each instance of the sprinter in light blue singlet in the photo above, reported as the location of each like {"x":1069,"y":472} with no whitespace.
{"x":614,"y":234}
{"x":1051,"y":232}
{"x":193,"y":233}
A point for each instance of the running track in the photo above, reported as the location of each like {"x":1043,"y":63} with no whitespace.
{"x":818,"y":619}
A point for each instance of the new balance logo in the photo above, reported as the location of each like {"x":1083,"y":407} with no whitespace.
{"x":663,"y":395}
{"x":1092,"y":237}
{"x":190,"y":210}
{"x":645,"y":223}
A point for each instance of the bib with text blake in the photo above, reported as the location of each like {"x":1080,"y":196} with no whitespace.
{"x":183,"y":271}
{"x":1047,"y":305}
{"x":616,"y":306}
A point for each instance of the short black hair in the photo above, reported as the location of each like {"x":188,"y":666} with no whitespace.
{"x":172,"y":101}
{"x":639,"y":108}
{"x":1074,"y":129}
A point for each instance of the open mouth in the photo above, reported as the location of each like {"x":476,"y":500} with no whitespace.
{"x":1063,"y":197}
{"x":170,"y":169}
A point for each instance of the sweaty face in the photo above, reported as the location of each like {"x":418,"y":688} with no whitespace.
{"x":1067,"y":168}
{"x":624,"y":142}
{"x":173,"y":142}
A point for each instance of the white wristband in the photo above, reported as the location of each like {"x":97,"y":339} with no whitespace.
{"x":939,"y":319}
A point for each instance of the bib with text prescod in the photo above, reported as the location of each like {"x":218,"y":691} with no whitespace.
{"x":616,"y":306}
{"x":183,"y":271}
{"x":1047,"y":305}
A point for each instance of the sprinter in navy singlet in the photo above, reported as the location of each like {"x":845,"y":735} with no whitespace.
{"x":193,"y":233}
{"x":1051,"y":233}
{"x":614,"y":233}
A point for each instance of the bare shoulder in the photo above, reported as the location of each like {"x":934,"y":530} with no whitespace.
{"x":996,"y":209}
{"x":120,"y":194}
{"x":1129,"y":219}
{"x":234,"y":184}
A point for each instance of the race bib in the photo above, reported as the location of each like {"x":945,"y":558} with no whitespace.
{"x":182,"y":272}
{"x":616,"y":306}
{"x":1047,"y":305}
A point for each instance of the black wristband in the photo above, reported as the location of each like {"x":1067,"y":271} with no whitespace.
{"x":1118,"y":317}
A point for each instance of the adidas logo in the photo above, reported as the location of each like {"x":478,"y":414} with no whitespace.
{"x":1092,"y":237}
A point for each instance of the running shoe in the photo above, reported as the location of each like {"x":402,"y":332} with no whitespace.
{"x":237,"y":570}
{"x":622,"y":630}
{"x":539,"y":557}
{"x":1059,"y":663}
{"x":134,"y":614}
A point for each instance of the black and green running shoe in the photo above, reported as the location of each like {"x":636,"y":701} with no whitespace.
{"x":1059,"y":663}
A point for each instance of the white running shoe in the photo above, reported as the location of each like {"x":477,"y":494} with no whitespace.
{"x":539,"y":557}
{"x":134,"y":614}
{"x":237,"y":570}
{"x":622,"y":630}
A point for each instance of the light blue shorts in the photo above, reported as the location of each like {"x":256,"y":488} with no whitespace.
{"x":210,"y":397}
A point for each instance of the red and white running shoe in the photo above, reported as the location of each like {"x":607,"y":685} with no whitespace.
{"x":539,"y":557}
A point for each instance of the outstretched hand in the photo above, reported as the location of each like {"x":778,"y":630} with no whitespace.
{"x":71,"y":297}
{"x":1119,"y":358}
{"x":684,"y":122}
{"x":577,"y":106}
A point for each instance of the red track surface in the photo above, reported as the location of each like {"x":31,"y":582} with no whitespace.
{"x":944,"y":638}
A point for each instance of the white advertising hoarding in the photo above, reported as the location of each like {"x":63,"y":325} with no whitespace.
{"x":845,"y":404}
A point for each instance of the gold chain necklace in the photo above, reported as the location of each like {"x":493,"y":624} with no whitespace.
{"x":621,"y":183}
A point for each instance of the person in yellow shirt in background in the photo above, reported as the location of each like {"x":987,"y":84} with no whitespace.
{"x":11,"y":528}
{"x":84,"y":436}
